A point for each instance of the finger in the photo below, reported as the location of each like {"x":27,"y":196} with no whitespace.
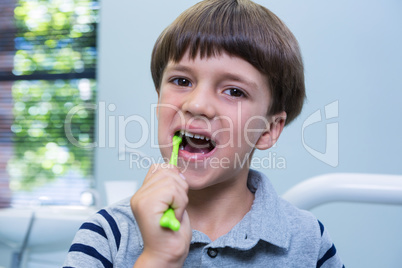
{"x":155,"y":174}
{"x":164,"y":187}
{"x":167,"y":189}
{"x":180,"y":202}
{"x":167,"y":178}
{"x":156,"y":170}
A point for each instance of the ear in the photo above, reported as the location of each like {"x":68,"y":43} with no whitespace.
{"x":269,"y":137}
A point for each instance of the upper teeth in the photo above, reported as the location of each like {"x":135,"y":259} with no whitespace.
{"x":191,"y":135}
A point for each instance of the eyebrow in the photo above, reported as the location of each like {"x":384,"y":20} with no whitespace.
{"x":177,"y":67}
{"x":240,"y":79}
{"x":225,"y":75}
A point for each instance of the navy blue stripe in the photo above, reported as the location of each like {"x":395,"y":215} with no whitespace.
{"x":321,"y":227}
{"x":329,"y":254}
{"x":90,"y":251}
{"x":93,"y":227}
{"x":113,"y":226}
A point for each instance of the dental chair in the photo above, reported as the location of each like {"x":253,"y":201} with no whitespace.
{"x":363,"y":213}
{"x":346,"y":187}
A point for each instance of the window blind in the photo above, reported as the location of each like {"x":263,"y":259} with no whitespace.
{"x":47,"y":69}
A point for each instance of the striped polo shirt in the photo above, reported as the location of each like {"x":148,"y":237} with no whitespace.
{"x":273,"y":233}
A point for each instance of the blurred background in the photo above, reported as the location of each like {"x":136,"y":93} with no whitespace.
{"x":77,"y":112}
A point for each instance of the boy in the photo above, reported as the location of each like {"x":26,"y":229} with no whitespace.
{"x":229,"y":76}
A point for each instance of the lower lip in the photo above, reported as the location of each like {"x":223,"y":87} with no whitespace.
{"x":192,"y":157}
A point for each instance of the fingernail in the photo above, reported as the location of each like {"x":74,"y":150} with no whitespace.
{"x":182,"y":176}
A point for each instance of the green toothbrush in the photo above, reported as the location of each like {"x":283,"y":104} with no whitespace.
{"x":168,"y":219}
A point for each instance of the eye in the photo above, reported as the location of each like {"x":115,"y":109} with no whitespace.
{"x":182,"y":82}
{"x":235,"y":92}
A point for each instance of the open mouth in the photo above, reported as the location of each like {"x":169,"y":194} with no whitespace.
{"x":195,"y":143}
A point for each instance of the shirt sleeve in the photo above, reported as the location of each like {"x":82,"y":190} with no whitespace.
{"x":328,"y":257}
{"x":95,"y":243}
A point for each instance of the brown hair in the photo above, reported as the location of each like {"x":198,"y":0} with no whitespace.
{"x":241,"y":28}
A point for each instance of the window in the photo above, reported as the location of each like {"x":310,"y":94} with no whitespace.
{"x":47,"y":75}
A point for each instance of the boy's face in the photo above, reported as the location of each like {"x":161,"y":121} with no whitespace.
{"x":222,"y":101}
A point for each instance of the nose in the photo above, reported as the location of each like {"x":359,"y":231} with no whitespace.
{"x":200,"y":102}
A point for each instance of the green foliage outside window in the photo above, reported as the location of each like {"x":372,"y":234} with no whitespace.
{"x":53,"y":37}
{"x":57,"y":36}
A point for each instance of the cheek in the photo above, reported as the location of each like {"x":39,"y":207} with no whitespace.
{"x":166,"y":110}
{"x":163,"y":116}
{"x":168,"y":115}
{"x":253,"y":127}
{"x":168,"y":105}
{"x":165,"y":152}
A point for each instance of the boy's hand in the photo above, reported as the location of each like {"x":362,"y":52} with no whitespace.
{"x":163,"y":186}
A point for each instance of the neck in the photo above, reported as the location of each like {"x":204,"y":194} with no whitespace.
{"x":217,"y":209}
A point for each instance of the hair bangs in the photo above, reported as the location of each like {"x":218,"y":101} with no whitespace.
{"x":240,"y":28}
{"x":208,"y":30}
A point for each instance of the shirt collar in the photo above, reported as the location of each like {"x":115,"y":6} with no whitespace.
{"x":268,"y":221}
{"x":265,"y":221}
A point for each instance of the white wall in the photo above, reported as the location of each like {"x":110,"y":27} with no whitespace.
{"x":352,"y":54}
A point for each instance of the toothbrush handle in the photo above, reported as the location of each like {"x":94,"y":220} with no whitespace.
{"x":169,"y":220}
